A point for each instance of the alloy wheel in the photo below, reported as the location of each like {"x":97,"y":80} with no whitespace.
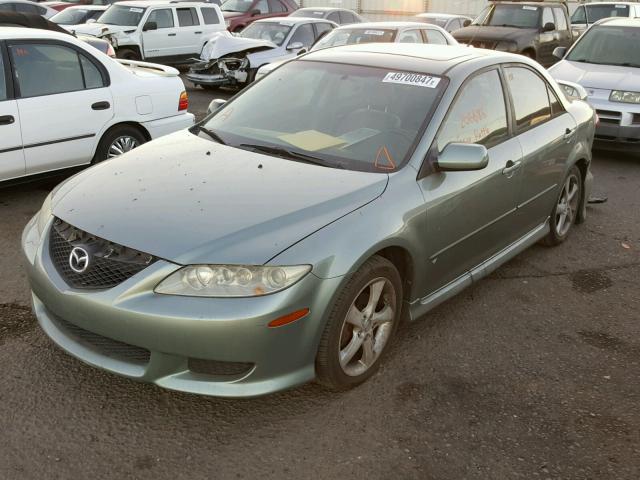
{"x":567,"y":205}
{"x":122,"y":145}
{"x":367,"y":327}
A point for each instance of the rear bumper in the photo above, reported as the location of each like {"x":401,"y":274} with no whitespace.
{"x":165,"y":126}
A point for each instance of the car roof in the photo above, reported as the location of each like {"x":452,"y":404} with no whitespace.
{"x":325,"y":9}
{"x":619,"y":22}
{"x":88,"y":7}
{"x":17,"y":33}
{"x":539,"y":3}
{"x":611,"y":3}
{"x":292,"y":20}
{"x":388,"y":25}
{"x":21,"y":1}
{"x":440,"y":15}
{"x":434,"y":59}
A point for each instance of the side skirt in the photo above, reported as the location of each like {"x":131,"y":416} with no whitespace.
{"x":425,"y":304}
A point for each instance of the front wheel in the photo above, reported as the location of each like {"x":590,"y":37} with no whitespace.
{"x":119,"y":140}
{"x":361,"y":325}
{"x":565,"y":211}
{"x":128,"y":54}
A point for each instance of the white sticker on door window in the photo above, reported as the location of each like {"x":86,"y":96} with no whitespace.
{"x":415,"y":79}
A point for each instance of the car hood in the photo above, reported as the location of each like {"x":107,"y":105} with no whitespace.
{"x":228,"y":15}
{"x":224,"y":43}
{"x":97,"y":29}
{"x":190,"y":200}
{"x":602,"y":77}
{"x":491,"y":33}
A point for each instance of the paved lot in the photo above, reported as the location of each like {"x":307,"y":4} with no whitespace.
{"x":532,"y":373}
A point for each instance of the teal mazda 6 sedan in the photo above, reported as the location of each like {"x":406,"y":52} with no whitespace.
{"x":287,"y":236}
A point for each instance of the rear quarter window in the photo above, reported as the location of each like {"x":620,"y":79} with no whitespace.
{"x":187,"y":17}
{"x":210,"y":16}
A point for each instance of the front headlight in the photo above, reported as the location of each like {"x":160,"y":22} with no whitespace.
{"x":506,"y":46}
{"x":230,"y":280}
{"x":624,"y":97}
{"x":44,"y":214}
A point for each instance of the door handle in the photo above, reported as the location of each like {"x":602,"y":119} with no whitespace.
{"x":101,"y":106}
{"x":511,"y":168}
{"x":171,"y":34}
{"x":197,"y":33}
{"x":7,"y":120}
{"x":568,"y":133}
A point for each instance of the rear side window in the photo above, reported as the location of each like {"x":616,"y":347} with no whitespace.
{"x":478,"y":114}
{"x":547,"y":17}
{"x":275,"y":6}
{"x":435,"y":37}
{"x":63,"y":68}
{"x":26,"y":8}
{"x":322,"y":28}
{"x":210,"y":16}
{"x":334,"y":17}
{"x":3,"y":82}
{"x":187,"y":17}
{"x":163,"y":18}
{"x":410,"y":36}
{"x":530,"y":97}
{"x":304,"y":34}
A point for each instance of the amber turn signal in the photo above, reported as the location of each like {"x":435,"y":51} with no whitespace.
{"x":290,"y":318}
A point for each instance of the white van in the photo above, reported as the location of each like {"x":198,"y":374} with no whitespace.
{"x":161,"y":31}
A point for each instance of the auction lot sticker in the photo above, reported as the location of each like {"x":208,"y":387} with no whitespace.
{"x":415,"y":79}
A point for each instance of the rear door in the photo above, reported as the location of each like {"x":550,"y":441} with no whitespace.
{"x":11,"y":154}
{"x":546,"y":133}
{"x":565,"y":36}
{"x":63,"y":100}
{"x":190,"y":32}
{"x":163,"y":41}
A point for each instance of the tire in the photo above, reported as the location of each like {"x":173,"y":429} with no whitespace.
{"x":348,"y":339}
{"x":566,"y":209}
{"x":118,"y":138}
{"x":128,"y":54}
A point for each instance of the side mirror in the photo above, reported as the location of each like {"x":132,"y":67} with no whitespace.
{"x":560,"y":52}
{"x":549,"y":27}
{"x":295,"y":46}
{"x":462,"y":157}
{"x":215,"y":104}
{"x":466,"y":23}
{"x":255,"y":12}
{"x":150,"y":26}
{"x":573,"y":91}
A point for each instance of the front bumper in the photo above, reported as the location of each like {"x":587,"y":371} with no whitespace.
{"x":165,"y":126}
{"x":619,"y":126}
{"x":216,"y":80}
{"x":131,"y":331}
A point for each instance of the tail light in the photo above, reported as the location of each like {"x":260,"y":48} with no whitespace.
{"x":183,"y":104}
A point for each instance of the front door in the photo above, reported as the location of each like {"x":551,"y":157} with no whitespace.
{"x":11,"y":156}
{"x":471,"y":215}
{"x":63,"y":103}
{"x":162,"y":42}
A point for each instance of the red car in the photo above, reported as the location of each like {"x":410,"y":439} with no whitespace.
{"x":240,"y":13}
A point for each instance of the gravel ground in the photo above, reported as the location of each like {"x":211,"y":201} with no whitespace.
{"x":532,"y":373}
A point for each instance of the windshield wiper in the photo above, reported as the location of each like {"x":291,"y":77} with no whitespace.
{"x":210,"y":133}
{"x":286,"y":153}
{"x":625,"y":64}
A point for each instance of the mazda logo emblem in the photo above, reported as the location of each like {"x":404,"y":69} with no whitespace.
{"x":79,"y":260}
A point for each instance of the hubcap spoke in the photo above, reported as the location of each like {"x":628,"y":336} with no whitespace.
{"x":122,"y":145}
{"x":572,"y":193}
{"x":355,"y":317}
{"x":375,"y":290}
{"x":383,"y":316}
{"x":351,"y":349}
{"x":368,"y":353}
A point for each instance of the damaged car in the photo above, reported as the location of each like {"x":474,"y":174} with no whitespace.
{"x":233,"y":60}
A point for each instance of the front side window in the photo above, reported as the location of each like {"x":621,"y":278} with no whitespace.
{"x":507,"y":15}
{"x":605,"y":45}
{"x":275,"y":32}
{"x":303,"y":34}
{"x":351,"y":36}
{"x":410,"y":36}
{"x":530,"y":97}
{"x":547,"y":17}
{"x":435,"y":37}
{"x":187,"y":17}
{"x":122,"y":16}
{"x":345,"y":116}
{"x":478,"y":114}
{"x":210,"y":16}
{"x":561,"y":20}
{"x":26,"y":8}
{"x":163,"y":18}
{"x":63,"y":68}
{"x":3,"y":82}
{"x":579,"y":17}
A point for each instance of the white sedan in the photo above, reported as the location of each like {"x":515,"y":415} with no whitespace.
{"x":67,"y":104}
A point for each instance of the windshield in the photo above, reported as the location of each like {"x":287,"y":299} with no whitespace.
{"x":519,"y":16}
{"x":308,"y":13}
{"x":350,"y":36}
{"x":236,"y":5}
{"x":70,"y":16}
{"x":441,"y":22}
{"x":598,"y":12}
{"x":275,"y":32}
{"x":342,"y":116}
{"x":121,"y":15}
{"x":608,"y":46}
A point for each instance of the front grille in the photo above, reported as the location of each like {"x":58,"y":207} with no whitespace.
{"x":489,"y":45}
{"x":109,"y":263}
{"x":609,"y":117}
{"x":106,"y":346}
{"x":217,"y":368}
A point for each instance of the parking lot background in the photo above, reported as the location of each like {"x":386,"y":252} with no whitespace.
{"x":531,"y":373}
